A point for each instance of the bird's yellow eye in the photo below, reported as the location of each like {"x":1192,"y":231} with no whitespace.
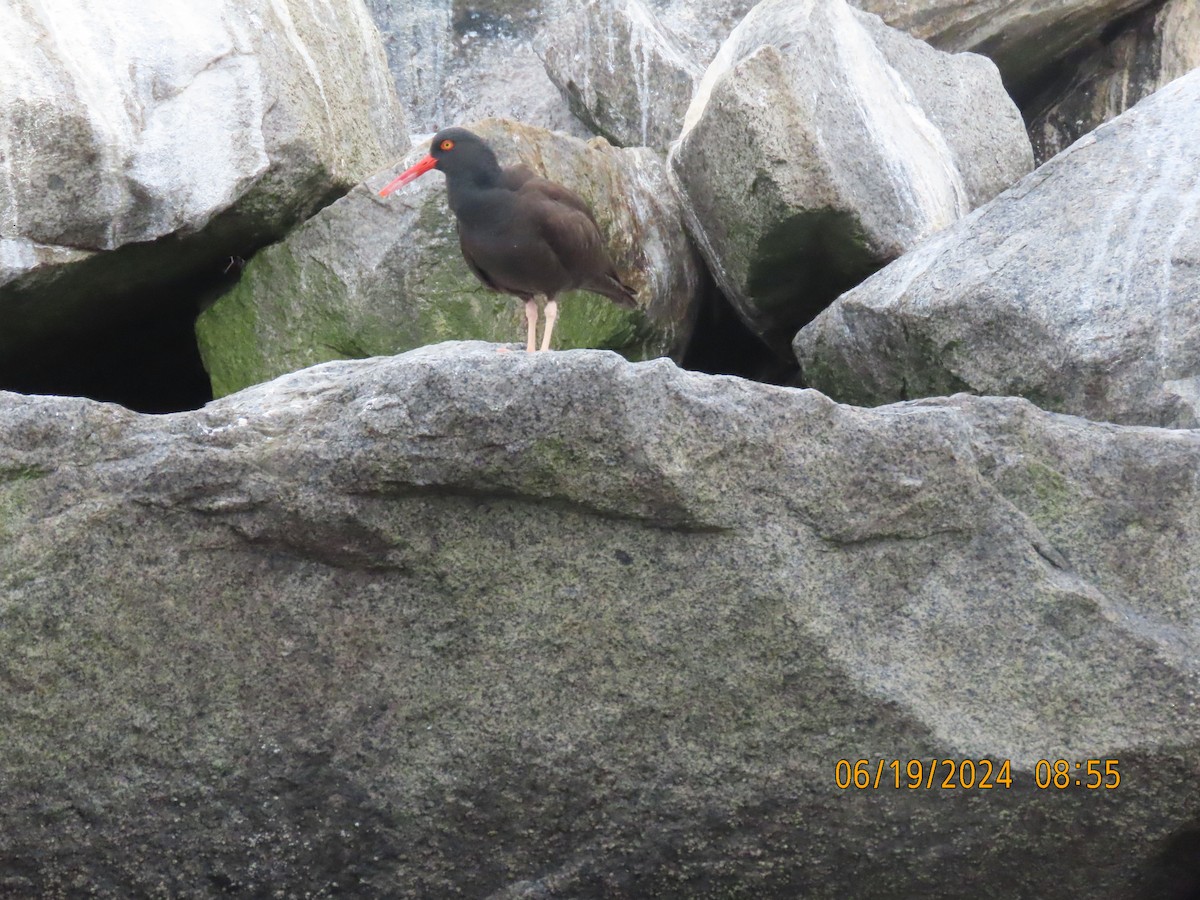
{"x":447,"y":144}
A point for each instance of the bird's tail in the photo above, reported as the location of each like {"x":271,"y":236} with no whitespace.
{"x":618,"y":292}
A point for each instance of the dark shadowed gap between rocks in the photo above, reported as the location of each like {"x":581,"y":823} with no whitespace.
{"x":794,"y":287}
{"x":1068,"y":75}
{"x":121,"y":327}
{"x":1177,"y":876}
{"x":144,"y":356}
{"x":723,"y":345}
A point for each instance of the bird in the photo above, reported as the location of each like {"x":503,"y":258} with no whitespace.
{"x":520,"y":234}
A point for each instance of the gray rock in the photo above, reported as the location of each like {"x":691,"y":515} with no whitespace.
{"x":1025,"y":38}
{"x":624,"y":75}
{"x":808,"y":163}
{"x":1075,"y":289}
{"x":418,"y":38}
{"x":556,"y":625}
{"x":505,"y":79}
{"x":628,"y":69}
{"x":1160,"y":45}
{"x":368,"y":276}
{"x":214,"y":128}
{"x":1027,"y":41}
{"x":701,"y":24}
{"x":456,"y":62}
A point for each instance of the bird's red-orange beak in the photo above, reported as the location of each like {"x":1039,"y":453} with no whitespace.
{"x":426,"y":163}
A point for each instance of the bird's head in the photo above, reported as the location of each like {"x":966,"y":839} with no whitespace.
{"x":454,"y":151}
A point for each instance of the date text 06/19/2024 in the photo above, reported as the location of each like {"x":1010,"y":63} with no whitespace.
{"x":973,"y":774}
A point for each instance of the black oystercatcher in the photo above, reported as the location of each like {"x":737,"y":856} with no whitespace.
{"x":521,"y":234}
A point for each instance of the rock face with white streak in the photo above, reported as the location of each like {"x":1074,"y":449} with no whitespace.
{"x":179,"y":133}
{"x":1160,"y":45}
{"x":1024,"y":38}
{"x":585,"y":47}
{"x":629,"y":68}
{"x":456,"y":61}
{"x":462,"y":624}
{"x":370,"y":276}
{"x":806,"y":164}
{"x":1077,"y":288}
{"x":625,"y":76}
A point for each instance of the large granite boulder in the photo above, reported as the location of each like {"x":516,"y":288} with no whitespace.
{"x":456,"y":62}
{"x":1026,"y":39}
{"x":624,"y":74}
{"x":1076,"y":288}
{"x":143,"y":144}
{"x":369,"y":276}
{"x":629,"y":68}
{"x":822,"y":144}
{"x":1159,"y":45}
{"x":702,"y":24}
{"x":555,"y":625}
{"x":625,"y":66}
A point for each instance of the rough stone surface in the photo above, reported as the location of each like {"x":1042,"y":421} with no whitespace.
{"x":1076,"y":289}
{"x":456,"y":62}
{"x":141,"y":143}
{"x":628,"y":69}
{"x":808,"y":163}
{"x":625,"y":76}
{"x":556,"y":625}
{"x":369,"y":276}
{"x":1025,"y":38}
{"x":701,"y":24}
{"x":1160,"y":45}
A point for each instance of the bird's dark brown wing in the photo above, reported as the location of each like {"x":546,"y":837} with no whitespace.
{"x":568,"y":227}
{"x":575,"y":240}
{"x":502,"y":271}
{"x":566,"y":224}
{"x":559,"y":194}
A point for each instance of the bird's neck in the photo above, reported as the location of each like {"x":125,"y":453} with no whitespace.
{"x":472,"y":194}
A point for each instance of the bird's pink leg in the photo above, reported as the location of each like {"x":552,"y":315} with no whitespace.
{"x":551,"y":316}
{"x":531,"y":316}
